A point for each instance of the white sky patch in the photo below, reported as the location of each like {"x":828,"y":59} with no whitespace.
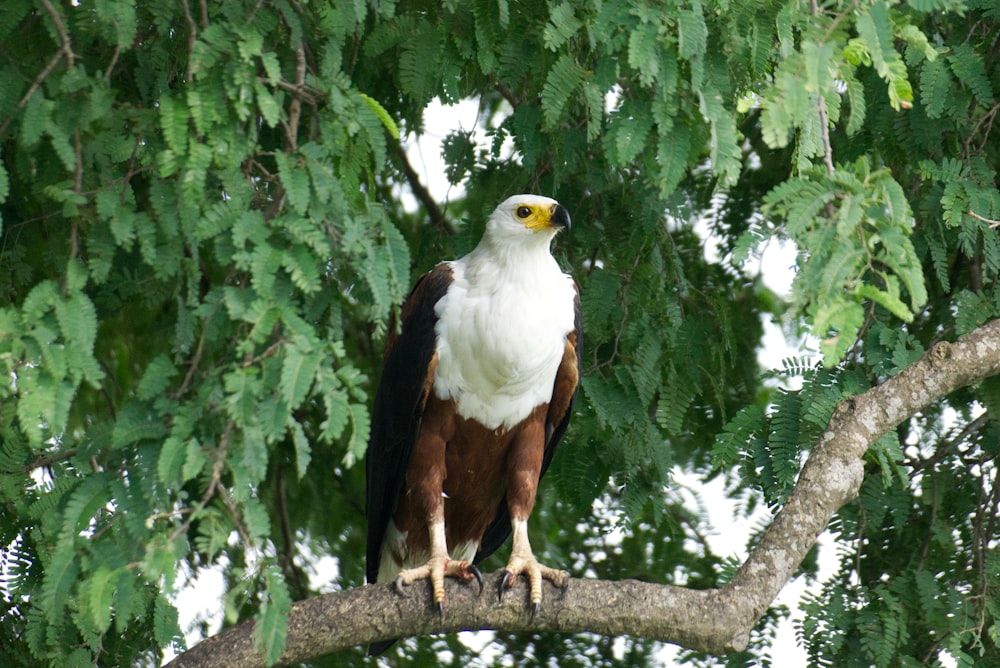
{"x":424,"y":152}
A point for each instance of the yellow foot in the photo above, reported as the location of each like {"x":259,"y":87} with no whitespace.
{"x":535,"y":572}
{"x":436,"y":570}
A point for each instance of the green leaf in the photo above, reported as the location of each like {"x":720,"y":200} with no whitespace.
{"x":166,"y":624}
{"x":875,"y":28}
{"x":255,"y":516}
{"x":194,"y":461}
{"x":382,"y":114}
{"x":935,"y":83}
{"x":174,"y":122}
{"x":887,"y":298}
{"x":303,"y":451}
{"x":156,"y":378}
{"x":837,"y":321}
{"x":37,"y":117}
{"x":643,"y":52}
{"x":83,"y":503}
{"x":561,"y":84}
{"x":733,"y":441}
{"x":337,"y":407}
{"x":270,"y":109}
{"x":692,"y":33}
{"x":359,"y":434}
{"x":298,"y":371}
{"x":255,"y":454}
{"x":271,"y":629}
{"x":969,"y":68}
{"x":101,"y":587}
{"x":170,"y":461}
{"x":295,"y":180}
{"x":60,"y":577}
{"x":4,"y":185}
{"x":562,"y":25}
{"x":136,"y":422}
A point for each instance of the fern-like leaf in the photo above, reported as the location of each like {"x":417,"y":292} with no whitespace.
{"x":732,"y":443}
{"x":561,"y":83}
{"x":271,"y":628}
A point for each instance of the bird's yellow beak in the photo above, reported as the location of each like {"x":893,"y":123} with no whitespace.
{"x":555,"y":216}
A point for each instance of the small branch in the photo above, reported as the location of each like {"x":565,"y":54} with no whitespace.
{"x":214,"y":484}
{"x":294,"y":575}
{"x":508,"y":95}
{"x":192,"y":36}
{"x":437,"y":216}
{"x":235,"y":514}
{"x":824,"y":118}
{"x":35,"y":85}
{"x":65,"y":47}
{"x":295,"y":106}
{"x":48,"y":460}
{"x":204,"y":14}
{"x":989,"y":221}
{"x":111,"y":65}
{"x":824,"y":122}
{"x":623,"y":293}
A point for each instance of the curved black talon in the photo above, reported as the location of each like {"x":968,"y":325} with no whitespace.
{"x":440,"y":607}
{"x":534,"y":610}
{"x":398,"y":585}
{"x":479,"y":577}
{"x":506,"y":582}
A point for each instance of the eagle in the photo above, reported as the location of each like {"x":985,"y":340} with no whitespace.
{"x":477,"y":389}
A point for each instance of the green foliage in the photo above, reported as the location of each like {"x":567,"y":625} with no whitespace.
{"x":202,"y":239}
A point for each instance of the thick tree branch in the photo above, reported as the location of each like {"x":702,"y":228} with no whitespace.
{"x":715,"y":620}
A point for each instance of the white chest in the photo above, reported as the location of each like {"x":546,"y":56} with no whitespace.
{"x":501,"y":339}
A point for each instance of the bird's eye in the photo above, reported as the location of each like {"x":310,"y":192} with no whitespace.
{"x":523,"y":211}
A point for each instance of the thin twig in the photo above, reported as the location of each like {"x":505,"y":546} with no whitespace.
{"x":824,"y":122}
{"x":437,"y":216}
{"x":204,"y":14}
{"x":111,"y":65}
{"x":48,"y":460}
{"x":824,"y":118}
{"x":235,"y":514}
{"x":35,"y":85}
{"x":295,"y":107}
{"x":988,"y":221}
{"x":65,"y":46}
{"x":192,"y":36}
{"x":214,"y":485}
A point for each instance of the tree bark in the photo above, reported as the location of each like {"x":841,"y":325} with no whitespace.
{"x":713,"y":620}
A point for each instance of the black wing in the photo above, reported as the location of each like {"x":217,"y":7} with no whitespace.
{"x":560,"y":410}
{"x":399,"y":405}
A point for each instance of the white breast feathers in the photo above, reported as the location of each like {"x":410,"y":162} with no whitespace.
{"x":501,"y":331}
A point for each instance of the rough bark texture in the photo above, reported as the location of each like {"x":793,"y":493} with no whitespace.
{"x":714,"y":620}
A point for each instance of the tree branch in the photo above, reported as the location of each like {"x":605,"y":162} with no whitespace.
{"x":438,"y":219}
{"x":714,"y":620}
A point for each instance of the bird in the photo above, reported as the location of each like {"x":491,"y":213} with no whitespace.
{"x":476,"y":392}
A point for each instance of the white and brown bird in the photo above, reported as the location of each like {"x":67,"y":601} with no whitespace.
{"x":476,"y":392}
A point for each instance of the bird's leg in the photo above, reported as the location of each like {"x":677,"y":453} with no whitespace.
{"x":438,"y":566}
{"x":522,"y":562}
{"x":526,"y":465}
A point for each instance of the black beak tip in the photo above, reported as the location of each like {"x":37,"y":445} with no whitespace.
{"x":560,"y":217}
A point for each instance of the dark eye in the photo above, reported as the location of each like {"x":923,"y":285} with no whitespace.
{"x":523,"y":212}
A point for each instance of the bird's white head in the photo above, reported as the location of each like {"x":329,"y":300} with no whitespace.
{"x":527,"y":217}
